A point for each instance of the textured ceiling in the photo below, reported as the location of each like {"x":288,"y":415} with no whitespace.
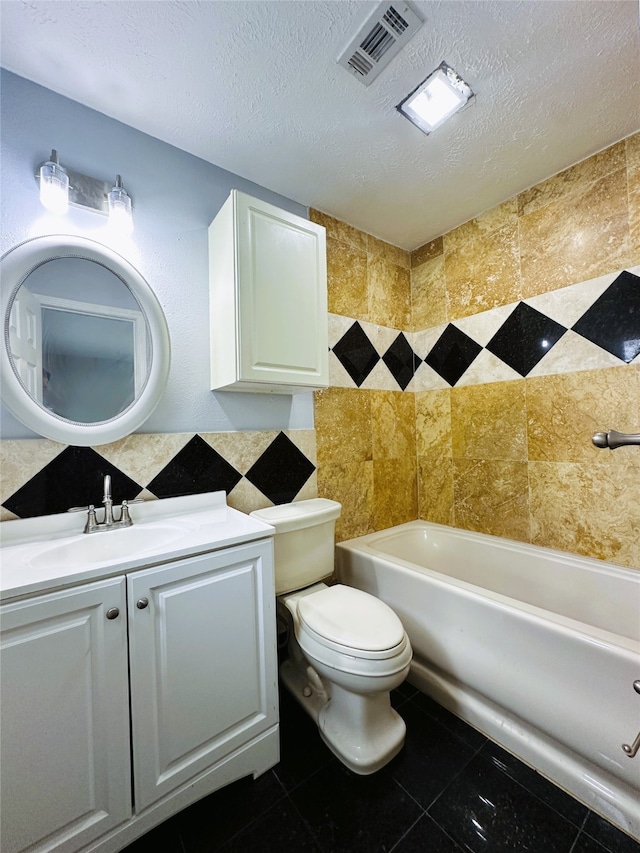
{"x":254,"y":88}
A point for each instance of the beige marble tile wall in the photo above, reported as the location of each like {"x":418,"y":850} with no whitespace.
{"x":366,"y":439}
{"x":515,"y":458}
{"x":512,"y":458}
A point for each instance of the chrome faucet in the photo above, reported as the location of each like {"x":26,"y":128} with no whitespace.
{"x":107,"y":501}
{"x":109,"y":522}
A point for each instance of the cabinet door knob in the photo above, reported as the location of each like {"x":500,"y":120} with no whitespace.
{"x":141,"y":603}
{"x":113,"y":613}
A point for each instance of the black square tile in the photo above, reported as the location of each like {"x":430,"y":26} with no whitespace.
{"x":452,"y":354}
{"x":281,"y":471}
{"x":613,"y":321}
{"x":208,"y":824}
{"x":463,"y":731}
{"x":401,"y":361}
{"x":611,"y":838}
{"x":586,"y":844}
{"x":544,"y":790}
{"x":196,"y":469}
{"x":346,"y":812}
{"x":524,"y":338}
{"x":427,"y":745}
{"x":483,"y":809}
{"x":280,"y":829}
{"x":356,"y":353}
{"x":402,"y":694}
{"x":426,"y":837}
{"x":74,"y":478}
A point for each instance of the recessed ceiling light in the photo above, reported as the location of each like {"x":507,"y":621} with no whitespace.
{"x":437,"y":98}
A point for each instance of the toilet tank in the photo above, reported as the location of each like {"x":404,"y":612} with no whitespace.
{"x":304,"y":541}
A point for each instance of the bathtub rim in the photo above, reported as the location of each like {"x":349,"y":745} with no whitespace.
{"x":365,"y":545}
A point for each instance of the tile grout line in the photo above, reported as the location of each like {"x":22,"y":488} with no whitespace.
{"x":306,"y":825}
{"x":579,"y":833}
{"x":520,"y":784}
{"x":416,"y":821}
{"x":535,"y":796}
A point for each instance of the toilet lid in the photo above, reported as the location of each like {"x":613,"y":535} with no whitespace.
{"x":351,"y":618}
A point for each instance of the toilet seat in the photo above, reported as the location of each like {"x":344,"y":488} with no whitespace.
{"x":350,"y":622}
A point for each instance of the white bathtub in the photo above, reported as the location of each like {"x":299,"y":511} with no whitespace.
{"x":536,"y":648}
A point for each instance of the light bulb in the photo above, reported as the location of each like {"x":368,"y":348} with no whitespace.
{"x":54,"y":185}
{"x":120,"y":208}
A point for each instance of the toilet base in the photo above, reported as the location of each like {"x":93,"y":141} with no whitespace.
{"x":362,"y":730}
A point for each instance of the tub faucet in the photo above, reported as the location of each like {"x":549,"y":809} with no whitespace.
{"x":614,"y":439}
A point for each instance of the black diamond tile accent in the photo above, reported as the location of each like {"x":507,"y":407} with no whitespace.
{"x":196,"y":469}
{"x":401,"y":361}
{"x":452,"y":354}
{"x":281,"y":471}
{"x":356,"y":353}
{"x":74,"y":478}
{"x":525,"y":337}
{"x":613,"y":321}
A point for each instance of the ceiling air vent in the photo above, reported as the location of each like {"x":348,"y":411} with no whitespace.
{"x":381,"y":37}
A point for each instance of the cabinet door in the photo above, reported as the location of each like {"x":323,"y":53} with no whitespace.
{"x":203,"y":663}
{"x":282,"y":296}
{"x":66,"y":775}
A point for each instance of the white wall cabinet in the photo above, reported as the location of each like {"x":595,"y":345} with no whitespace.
{"x":202,"y":688}
{"x":268,"y":299}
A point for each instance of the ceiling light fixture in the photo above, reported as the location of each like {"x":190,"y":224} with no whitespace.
{"x":436,"y":99}
{"x":62,"y":187}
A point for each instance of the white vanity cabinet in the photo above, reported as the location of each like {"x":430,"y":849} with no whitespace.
{"x":203,"y":669}
{"x":64,"y":730}
{"x":126,"y":699}
{"x":268,"y":299}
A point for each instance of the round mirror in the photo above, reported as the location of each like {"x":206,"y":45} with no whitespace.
{"x":86,"y":345}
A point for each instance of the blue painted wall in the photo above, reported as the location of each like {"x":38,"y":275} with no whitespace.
{"x":175,"y":197}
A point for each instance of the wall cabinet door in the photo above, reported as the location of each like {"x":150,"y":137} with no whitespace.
{"x":203,"y":663}
{"x":268,"y":299}
{"x":65,"y":718}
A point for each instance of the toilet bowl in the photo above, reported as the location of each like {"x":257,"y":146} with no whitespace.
{"x":346,"y":649}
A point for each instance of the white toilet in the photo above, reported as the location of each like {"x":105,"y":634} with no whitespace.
{"x":347,"y":649}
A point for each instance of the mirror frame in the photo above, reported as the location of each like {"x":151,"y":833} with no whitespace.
{"x":15,"y":266}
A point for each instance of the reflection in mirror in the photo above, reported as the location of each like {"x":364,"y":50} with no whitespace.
{"x":86,"y":344}
{"x":79,"y":340}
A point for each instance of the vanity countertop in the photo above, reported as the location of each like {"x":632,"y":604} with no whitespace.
{"x":50,"y":552}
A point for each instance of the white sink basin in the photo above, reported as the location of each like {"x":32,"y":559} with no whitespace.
{"x":108,"y":546}
{"x":50,"y":552}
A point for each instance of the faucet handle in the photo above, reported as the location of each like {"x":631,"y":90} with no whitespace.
{"x":92,"y":522}
{"x":125,"y":518}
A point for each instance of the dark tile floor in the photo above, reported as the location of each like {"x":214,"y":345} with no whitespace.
{"x":449,"y":790}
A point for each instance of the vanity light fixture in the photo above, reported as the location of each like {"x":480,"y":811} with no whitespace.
{"x":63,"y":187}
{"x":54,"y":185}
{"x":120,"y":208}
{"x":436,"y":99}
